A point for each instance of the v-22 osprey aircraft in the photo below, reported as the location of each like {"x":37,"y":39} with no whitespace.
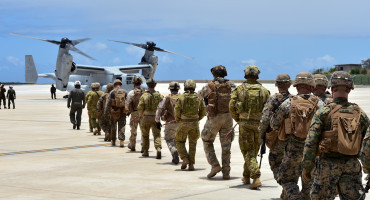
{"x":67,"y":72}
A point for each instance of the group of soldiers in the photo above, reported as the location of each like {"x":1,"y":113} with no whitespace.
{"x":314,"y":135}
{"x":10,"y":95}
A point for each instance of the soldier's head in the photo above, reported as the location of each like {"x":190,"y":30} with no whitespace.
{"x":77,"y":84}
{"x":117,"y":83}
{"x":304,"y":83}
{"x":321,"y":82}
{"x":174,"y":87}
{"x":151,"y":83}
{"x":251,"y":72}
{"x":10,"y":86}
{"x":109,"y":88}
{"x":97,"y":86}
{"x":219,"y":71}
{"x":137,"y":81}
{"x":283,"y":82}
{"x":2,"y":85}
{"x":189,"y":85}
{"x":341,"y":84}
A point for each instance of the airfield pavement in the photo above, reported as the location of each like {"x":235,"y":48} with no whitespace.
{"x":42,"y":157}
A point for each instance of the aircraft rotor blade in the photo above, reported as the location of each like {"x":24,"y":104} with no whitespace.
{"x":51,"y":41}
{"x":73,"y":48}
{"x":162,"y":50}
{"x":144,"y":46}
{"x":76,"y":42}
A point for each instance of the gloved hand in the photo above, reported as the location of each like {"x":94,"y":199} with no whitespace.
{"x":306,"y":175}
{"x":159,"y":125}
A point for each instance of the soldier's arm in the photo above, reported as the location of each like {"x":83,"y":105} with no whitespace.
{"x":83,"y":100}
{"x":204,"y":92}
{"x":141,"y":106}
{"x":365,"y":152}
{"x":108,"y":103}
{"x":69,"y":99}
{"x":159,"y":110}
{"x":129,"y":99}
{"x":281,"y":113}
{"x":178,"y":110}
{"x":266,"y":116}
{"x":233,"y":100}
{"x":202,"y":109}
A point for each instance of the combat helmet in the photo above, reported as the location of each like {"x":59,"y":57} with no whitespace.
{"x":341,"y":78}
{"x":219,"y":71}
{"x":174,"y":85}
{"x":78,"y":83}
{"x":137,"y":80}
{"x":304,"y":78}
{"x":321,"y":80}
{"x":93,"y":85}
{"x":251,"y":70}
{"x":283,"y":79}
{"x":117,"y":82}
{"x":189,"y":84}
{"x":109,"y":88}
{"x":151,"y":83}
{"x":97,"y":85}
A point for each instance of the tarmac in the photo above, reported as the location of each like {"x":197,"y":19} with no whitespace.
{"x":42,"y":157}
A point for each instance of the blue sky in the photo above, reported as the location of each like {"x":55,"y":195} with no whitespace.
{"x":278,"y":36}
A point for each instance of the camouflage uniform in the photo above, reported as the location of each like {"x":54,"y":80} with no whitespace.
{"x":86,"y":100}
{"x":2,"y":96}
{"x":188,"y":124}
{"x":217,"y":122}
{"x":322,"y":80}
{"x":104,"y":120}
{"x":248,"y":114}
{"x":335,"y":171}
{"x":92,"y":103}
{"x":132,"y":102}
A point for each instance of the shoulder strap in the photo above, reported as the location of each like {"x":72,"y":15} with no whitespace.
{"x":97,"y":93}
{"x":333,"y":110}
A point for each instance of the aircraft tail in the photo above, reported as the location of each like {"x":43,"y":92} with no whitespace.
{"x":31,"y":72}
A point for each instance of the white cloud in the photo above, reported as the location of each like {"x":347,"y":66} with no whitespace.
{"x":14,"y":61}
{"x":326,"y":58}
{"x":319,"y":62}
{"x":99,"y":46}
{"x":116,"y":60}
{"x":164,"y":59}
{"x":249,"y":61}
{"x":135,"y":51}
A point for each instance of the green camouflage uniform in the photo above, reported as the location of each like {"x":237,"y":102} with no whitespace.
{"x":290,"y":169}
{"x":89,"y":113}
{"x":335,"y":172}
{"x":121,"y":121}
{"x":188,"y":126}
{"x":248,"y":127}
{"x":147,"y":107}
{"x":135,"y":119}
{"x":104,"y":120}
{"x":92,"y":103}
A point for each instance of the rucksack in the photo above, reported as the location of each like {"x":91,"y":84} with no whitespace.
{"x":190,"y":106}
{"x":136,"y":98}
{"x":219,"y":98}
{"x":251,"y":100}
{"x":168,"y":113}
{"x":119,"y":98}
{"x":151,"y":101}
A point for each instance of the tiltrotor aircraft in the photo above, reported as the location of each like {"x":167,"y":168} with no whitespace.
{"x":67,"y":72}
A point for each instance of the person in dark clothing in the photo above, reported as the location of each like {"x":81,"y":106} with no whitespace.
{"x":11,"y":96}
{"x":2,"y":95}
{"x":77,"y":96}
{"x":53,"y":90}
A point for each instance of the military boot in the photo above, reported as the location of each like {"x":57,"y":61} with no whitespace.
{"x":142,"y":150}
{"x":78,"y":127}
{"x":145,"y":153}
{"x":159,"y":153}
{"x":256,"y":184}
{"x":185,"y":163}
{"x":74,"y":126}
{"x":246,"y":180}
{"x":214,"y":171}
{"x":121,"y":144}
{"x":226,"y":175}
{"x":113,"y":142}
{"x":130,"y":147}
{"x":96,"y":131}
{"x":191,"y":167}
{"x":175,"y":158}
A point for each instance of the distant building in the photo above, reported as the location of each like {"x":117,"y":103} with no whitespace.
{"x":347,"y":67}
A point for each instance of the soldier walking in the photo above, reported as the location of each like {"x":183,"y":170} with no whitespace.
{"x":132,"y":102}
{"x":147,"y":107}
{"x":92,"y":86}
{"x":92,"y":103}
{"x":219,"y":120}
{"x":53,"y":91}
{"x":321,"y":82}
{"x":271,"y":138}
{"x":11,"y":96}
{"x":166,"y":111}
{"x":76,"y":102}
{"x":189,"y":110}
{"x":246,"y":105}
{"x":104,"y":119}
{"x":115,"y":105}
{"x":2,"y":95}
{"x":295,"y":116}
{"x":335,"y":135}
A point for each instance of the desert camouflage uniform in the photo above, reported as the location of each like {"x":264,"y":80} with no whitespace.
{"x":277,"y":151}
{"x":334,"y":170}
{"x":89,"y":113}
{"x":92,"y":102}
{"x":104,"y":118}
{"x":113,"y":123}
{"x":290,"y":168}
{"x":134,"y":119}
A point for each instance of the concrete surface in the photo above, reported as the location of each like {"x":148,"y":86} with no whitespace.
{"x":42,"y":157}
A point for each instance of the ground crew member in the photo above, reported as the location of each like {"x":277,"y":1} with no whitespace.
{"x":335,"y":135}
{"x":246,"y":105}
{"x":76,"y":102}
{"x":132,"y":102}
{"x":92,"y":104}
{"x":166,"y":111}
{"x":53,"y":91}
{"x":189,"y":110}
{"x":115,"y":105}
{"x":295,"y":116}
{"x":276,"y":145}
{"x":147,"y":107}
{"x":104,"y":120}
{"x":2,"y":95}
{"x":219,"y":120}
{"x":92,"y":86}
{"x":11,"y":96}
{"x":320,"y":89}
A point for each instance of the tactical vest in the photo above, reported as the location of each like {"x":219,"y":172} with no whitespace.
{"x":300,"y":115}
{"x":219,"y":98}
{"x":168,"y":113}
{"x":190,"y":106}
{"x":119,"y":98}
{"x":151,"y":101}
{"x":93,"y":100}
{"x":251,"y":100}
{"x":136,"y":98}
{"x":344,"y":136}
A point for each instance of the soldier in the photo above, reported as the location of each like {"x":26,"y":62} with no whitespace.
{"x":76,"y":101}
{"x":132,"y":102}
{"x":294,"y":117}
{"x":2,"y":95}
{"x":246,"y":106}
{"x":53,"y":90}
{"x":320,"y":89}
{"x":166,"y":111}
{"x":276,"y":145}
{"x":189,"y":110}
{"x":11,"y":96}
{"x":219,"y":120}
{"x":115,"y":105}
{"x":104,"y":120}
{"x":335,"y":135}
{"x":92,"y":104}
{"x":92,"y":86}
{"x":147,"y":107}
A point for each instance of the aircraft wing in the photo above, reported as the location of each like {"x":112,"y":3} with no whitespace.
{"x":82,"y":69}
{"x":48,"y":75}
{"x":89,"y":68}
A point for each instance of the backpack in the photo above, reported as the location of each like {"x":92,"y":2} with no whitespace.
{"x":136,"y":99}
{"x":119,"y":98}
{"x":168,"y":113}
{"x":151,"y":101}
{"x":219,"y":98}
{"x":251,"y":100}
{"x":190,"y":106}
